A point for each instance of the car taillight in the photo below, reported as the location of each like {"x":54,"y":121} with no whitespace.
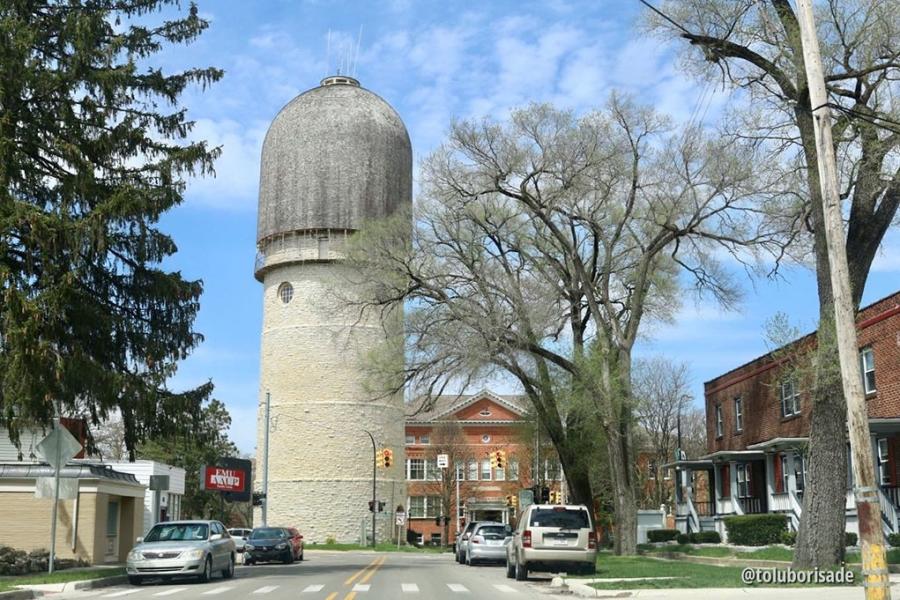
{"x":526,"y":538}
{"x":592,"y":540}
{"x":477,"y":539}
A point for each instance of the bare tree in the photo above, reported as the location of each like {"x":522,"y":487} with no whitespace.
{"x":542,"y":244}
{"x":447,"y":438}
{"x":755,"y":47}
{"x":109,"y":439}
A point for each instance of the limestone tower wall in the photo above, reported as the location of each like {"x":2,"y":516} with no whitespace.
{"x":333,"y":157}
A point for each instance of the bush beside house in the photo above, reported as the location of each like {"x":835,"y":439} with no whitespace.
{"x":755,"y":530}
{"x":661,"y":535}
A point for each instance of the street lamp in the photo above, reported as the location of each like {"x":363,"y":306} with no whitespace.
{"x":374,"y":472}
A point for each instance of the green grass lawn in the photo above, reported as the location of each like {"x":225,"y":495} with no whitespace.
{"x":378,"y":548}
{"x":713,"y":551}
{"x":687,"y":575}
{"x":9,"y":583}
{"x":768,"y":553}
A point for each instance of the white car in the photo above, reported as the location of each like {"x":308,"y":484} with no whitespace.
{"x":179,"y":548}
{"x":239,"y":536}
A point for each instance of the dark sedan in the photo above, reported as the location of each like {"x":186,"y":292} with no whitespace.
{"x":273,"y":544}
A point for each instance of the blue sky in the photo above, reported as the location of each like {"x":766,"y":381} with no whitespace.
{"x":432,"y":61}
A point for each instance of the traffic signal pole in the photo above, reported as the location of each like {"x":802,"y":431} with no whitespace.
{"x":871,"y":537}
{"x":374,"y":472}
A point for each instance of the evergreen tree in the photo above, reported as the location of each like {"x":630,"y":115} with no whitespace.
{"x":93,"y":150}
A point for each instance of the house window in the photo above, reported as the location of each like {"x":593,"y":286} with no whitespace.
{"x":416,"y":507}
{"x":884,"y":473}
{"x":410,"y":439}
{"x":651,"y":467}
{"x":424,"y":439}
{"x":486,"y":469}
{"x":286,"y":292}
{"x":485,"y":412}
{"x":667,"y":474}
{"x":415,"y":469}
{"x":433,"y":506}
{"x":432,"y":473}
{"x":790,"y":398}
{"x":552,"y":470}
{"x":500,"y":474}
{"x":867,"y":358}
{"x":719,"y":430}
{"x":743,"y":480}
{"x":513,"y":470}
{"x":460,"y":470}
{"x":800,"y":471}
{"x":473,"y":469}
{"x":738,"y":414}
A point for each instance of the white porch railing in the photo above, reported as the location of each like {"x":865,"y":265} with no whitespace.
{"x":889,"y":515}
{"x":693,"y":519}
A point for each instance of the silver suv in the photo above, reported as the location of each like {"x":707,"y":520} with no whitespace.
{"x":552,"y":538}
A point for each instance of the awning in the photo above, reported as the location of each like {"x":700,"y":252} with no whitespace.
{"x":689,"y":464}
{"x":726,"y":455}
{"x":780,"y":444}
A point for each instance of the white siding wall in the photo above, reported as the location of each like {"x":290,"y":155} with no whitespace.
{"x":142,"y":470}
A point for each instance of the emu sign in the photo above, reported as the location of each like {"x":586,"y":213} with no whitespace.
{"x":224,"y":479}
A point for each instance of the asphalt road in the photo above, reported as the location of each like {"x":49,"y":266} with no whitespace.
{"x":345,"y":576}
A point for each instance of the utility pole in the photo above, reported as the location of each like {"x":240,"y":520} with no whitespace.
{"x":874,"y":564}
{"x":265,"y":482}
{"x":374,"y":474}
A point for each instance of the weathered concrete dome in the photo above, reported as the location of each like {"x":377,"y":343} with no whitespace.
{"x":334,"y":156}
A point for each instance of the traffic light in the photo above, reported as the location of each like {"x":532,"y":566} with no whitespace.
{"x":545,"y":495}
{"x":555,"y":497}
{"x":379,"y":458}
{"x":381,"y":506}
{"x":371,"y":506}
{"x":514,"y":501}
{"x":509,"y":500}
{"x":437,"y":521}
{"x":258,"y":498}
{"x":493,"y":456}
{"x":500,"y":459}
{"x":387,"y":458}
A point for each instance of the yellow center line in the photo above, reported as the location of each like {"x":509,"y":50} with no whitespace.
{"x":372,"y":571}
{"x":350,"y":596}
{"x":360,"y":572}
{"x":331,"y":596}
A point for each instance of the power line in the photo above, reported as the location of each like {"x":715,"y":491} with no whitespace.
{"x":664,"y":16}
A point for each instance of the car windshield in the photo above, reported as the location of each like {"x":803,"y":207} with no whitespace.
{"x":178,"y":532}
{"x":266,"y":533}
{"x":566,"y":518}
{"x":492,"y":532}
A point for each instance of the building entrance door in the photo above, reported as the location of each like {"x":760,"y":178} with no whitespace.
{"x":112,"y":531}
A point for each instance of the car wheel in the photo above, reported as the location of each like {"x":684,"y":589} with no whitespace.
{"x":468,"y":560}
{"x":228,"y":572}
{"x":521,"y":572}
{"x":248,"y":562}
{"x":301,"y":555}
{"x":135,"y":579}
{"x":289,"y":559}
{"x":510,"y":569}
{"x":207,"y":571}
{"x":589,"y":570}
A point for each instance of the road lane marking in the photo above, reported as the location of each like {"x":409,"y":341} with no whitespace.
{"x":371,"y":572}
{"x":268,"y":589}
{"x":350,"y":596}
{"x":505,"y":588}
{"x":361,"y":587}
{"x":360,"y":572}
{"x":313,"y":588}
{"x":122,"y":593}
{"x":170,"y":592}
{"x":457,"y":587}
{"x":218,"y":590}
{"x":332,"y":596}
{"x":410,"y":588}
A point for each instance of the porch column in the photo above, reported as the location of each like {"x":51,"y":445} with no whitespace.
{"x":735,"y":503}
{"x":717,"y":487}
{"x":770,"y":481}
{"x":792,"y":474}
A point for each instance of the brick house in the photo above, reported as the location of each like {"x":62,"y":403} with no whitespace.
{"x":468,"y":429}
{"x":758,"y":417}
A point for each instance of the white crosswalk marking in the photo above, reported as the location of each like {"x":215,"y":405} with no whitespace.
{"x":409,"y":588}
{"x":312,"y":588}
{"x":122,"y":593}
{"x":457,"y":587}
{"x":505,"y":588}
{"x":218,"y":590}
{"x":361,"y":587}
{"x":268,"y":589}
{"x":170,"y":592}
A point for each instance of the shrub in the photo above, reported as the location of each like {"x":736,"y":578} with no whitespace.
{"x":788,"y":538}
{"x":755,"y":530}
{"x":330,"y":540}
{"x":894,"y":539}
{"x":850,"y":538}
{"x":661,"y":535}
{"x":706,"y":537}
{"x":683,"y":538}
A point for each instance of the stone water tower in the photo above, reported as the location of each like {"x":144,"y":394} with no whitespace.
{"x":335,"y":156}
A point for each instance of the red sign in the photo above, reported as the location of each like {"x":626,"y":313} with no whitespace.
{"x":224,"y":479}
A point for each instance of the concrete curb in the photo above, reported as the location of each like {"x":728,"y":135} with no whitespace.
{"x":100,"y":582}
{"x":19,"y":595}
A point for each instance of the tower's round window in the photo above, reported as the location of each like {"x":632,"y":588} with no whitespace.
{"x":486,"y":438}
{"x":285,"y":292}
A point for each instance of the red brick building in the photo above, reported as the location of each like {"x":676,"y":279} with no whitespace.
{"x":467,"y":430}
{"x":757,"y":419}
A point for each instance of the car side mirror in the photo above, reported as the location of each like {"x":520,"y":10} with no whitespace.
{"x":139,"y":540}
{"x":215,"y":536}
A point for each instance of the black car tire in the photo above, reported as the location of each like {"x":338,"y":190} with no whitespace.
{"x":248,"y":562}
{"x":510,"y":569}
{"x":207,"y":571}
{"x":589,"y":570}
{"x":521,"y":572}
{"x":135,"y":579}
{"x":301,"y":555}
{"x":289,"y":559}
{"x":228,"y":572}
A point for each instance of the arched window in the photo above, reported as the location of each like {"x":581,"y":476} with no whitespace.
{"x":286,"y":292}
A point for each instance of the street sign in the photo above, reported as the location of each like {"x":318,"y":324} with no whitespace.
{"x":443,"y":461}
{"x":221,"y":479}
{"x":159,"y":483}
{"x":401,"y":518}
{"x":245,"y":466}
{"x":58,"y":447}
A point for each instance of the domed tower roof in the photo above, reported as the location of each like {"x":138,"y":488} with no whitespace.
{"x":334,"y":156}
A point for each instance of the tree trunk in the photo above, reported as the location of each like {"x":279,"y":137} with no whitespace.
{"x":624,"y":499}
